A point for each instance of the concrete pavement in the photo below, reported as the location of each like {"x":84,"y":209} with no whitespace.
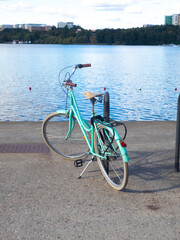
{"x":41,"y":197}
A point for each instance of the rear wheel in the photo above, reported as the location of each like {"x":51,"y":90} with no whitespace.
{"x":55,"y":130}
{"x":112,"y":166}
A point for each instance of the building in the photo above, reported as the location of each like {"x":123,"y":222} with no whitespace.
{"x":3,"y":26}
{"x":70,"y":25}
{"x":19,"y":26}
{"x":168,"y":20}
{"x":30,"y":26}
{"x":16,"y":26}
{"x":22,"y":26}
{"x":48,"y":28}
{"x":78,"y":30}
{"x":40,"y":27}
{"x":34,"y":25}
{"x":63,"y":24}
{"x":175,"y":18}
{"x":36,"y":28}
{"x":148,"y":25}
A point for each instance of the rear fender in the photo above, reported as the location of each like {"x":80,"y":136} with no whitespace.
{"x":123,"y":149}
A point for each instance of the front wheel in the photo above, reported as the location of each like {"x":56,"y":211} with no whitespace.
{"x":111,"y":163}
{"x":63,"y":139}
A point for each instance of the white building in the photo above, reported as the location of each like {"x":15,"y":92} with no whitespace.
{"x":16,"y":26}
{"x":175,"y":18}
{"x":63,"y":24}
{"x":70,"y":25}
{"x":22,"y":26}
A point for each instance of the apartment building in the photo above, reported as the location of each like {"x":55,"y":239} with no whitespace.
{"x":168,"y":20}
{"x":63,"y":24}
{"x":173,"y":20}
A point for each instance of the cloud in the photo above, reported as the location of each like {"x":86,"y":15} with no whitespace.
{"x":43,"y":9}
{"x":153,"y":1}
{"x":106,"y":5}
{"x":60,"y":13}
{"x":47,"y":10}
{"x":19,"y":6}
{"x":110,"y":8}
{"x":134,"y":9}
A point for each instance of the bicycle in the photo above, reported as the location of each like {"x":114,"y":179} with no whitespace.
{"x":73,"y":138}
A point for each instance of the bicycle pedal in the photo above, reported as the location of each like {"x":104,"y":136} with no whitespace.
{"x":78,"y":163}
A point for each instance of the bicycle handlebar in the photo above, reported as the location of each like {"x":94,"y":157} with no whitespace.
{"x":83,"y":65}
{"x":70,"y":84}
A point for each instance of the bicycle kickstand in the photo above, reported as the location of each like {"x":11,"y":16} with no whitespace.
{"x":93,"y":158}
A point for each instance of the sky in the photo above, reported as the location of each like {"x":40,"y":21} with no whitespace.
{"x":89,"y":14}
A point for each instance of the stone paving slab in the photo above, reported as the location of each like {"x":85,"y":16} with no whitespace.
{"x":41,"y":197}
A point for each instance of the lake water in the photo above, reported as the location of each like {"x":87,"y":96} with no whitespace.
{"x":141,"y":80}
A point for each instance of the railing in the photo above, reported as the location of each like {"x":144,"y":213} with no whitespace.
{"x":177,"y":137}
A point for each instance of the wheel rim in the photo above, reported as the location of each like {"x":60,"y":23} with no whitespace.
{"x":55,"y":133}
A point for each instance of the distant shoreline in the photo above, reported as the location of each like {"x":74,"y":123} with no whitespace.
{"x":86,"y":44}
{"x":154,"y":35}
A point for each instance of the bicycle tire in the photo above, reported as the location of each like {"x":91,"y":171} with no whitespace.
{"x":54,"y":131}
{"x":113,"y":168}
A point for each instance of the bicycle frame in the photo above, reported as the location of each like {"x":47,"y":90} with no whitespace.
{"x":86,"y":127}
{"x":74,"y":112}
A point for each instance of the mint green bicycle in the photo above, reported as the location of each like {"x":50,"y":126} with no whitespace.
{"x":73,"y":138}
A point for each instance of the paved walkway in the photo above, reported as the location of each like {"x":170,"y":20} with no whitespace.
{"x":41,"y":197}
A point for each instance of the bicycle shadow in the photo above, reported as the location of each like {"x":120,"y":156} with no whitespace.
{"x":152,"y":172}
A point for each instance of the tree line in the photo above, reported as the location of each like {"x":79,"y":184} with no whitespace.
{"x":155,"y":35}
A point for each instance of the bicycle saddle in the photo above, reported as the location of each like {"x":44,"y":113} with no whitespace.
{"x":90,"y":95}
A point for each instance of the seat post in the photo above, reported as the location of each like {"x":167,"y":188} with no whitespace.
{"x":93,"y":100}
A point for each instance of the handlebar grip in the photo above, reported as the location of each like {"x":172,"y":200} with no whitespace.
{"x":71,"y":84}
{"x":84,"y":65}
